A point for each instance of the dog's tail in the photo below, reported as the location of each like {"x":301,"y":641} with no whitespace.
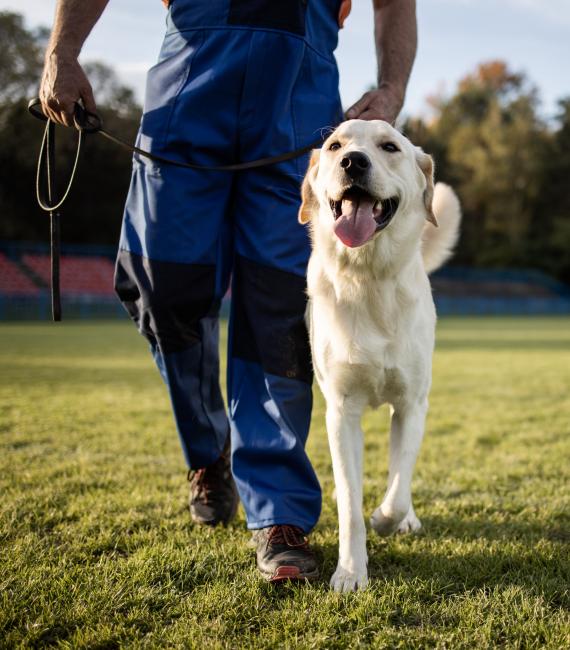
{"x":438,"y":243}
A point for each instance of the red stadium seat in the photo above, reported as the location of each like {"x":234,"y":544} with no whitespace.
{"x":78,"y":274}
{"x":13,"y":282}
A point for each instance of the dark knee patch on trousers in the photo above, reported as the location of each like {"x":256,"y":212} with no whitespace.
{"x":166,"y":300}
{"x":268,"y":320}
{"x":286,"y":15}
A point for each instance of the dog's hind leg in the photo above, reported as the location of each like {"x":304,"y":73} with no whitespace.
{"x":347,"y":444}
{"x":396,"y":512}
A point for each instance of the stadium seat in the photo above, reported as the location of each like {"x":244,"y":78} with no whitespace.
{"x":78,"y":274}
{"x":13,"y":282}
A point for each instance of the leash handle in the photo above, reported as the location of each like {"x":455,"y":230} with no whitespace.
{"x":79,"y":115}
{"x":46,"y":165}
{"x":51,"y":182}
{"x":46,"y":190}
{"x":55,"y":292}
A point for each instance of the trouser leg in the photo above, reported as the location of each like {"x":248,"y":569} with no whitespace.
{"x":192,"y":378}
{"x":176,"y":243}
{"x":270,"y":398}
{"x":183,"y":333}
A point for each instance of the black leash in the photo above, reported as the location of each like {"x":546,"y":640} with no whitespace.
{"x":46,"y":179}
{"x":46,"y":183}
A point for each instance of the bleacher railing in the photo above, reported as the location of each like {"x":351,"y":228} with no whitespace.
{"x":15,"y":249}
{"x":82,"y":307}
{"x":89,"y":307}
{"x":496,"y":306}
{"x":468,"y":274}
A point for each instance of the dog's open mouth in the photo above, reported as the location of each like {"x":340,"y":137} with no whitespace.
{"x":358,"y":216}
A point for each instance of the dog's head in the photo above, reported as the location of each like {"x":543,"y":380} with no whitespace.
{"x":368,"y":182}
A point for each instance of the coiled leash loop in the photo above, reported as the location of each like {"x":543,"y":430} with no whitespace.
{"x":46,"y":183}
{"x":46,"y":179}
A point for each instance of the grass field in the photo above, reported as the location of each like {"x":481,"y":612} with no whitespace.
{"x":98,"y":551}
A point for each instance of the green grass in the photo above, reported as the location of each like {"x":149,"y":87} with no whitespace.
{"x":98,"y":551}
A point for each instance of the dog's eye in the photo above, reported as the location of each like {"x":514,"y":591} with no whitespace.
{"x":334,"y":146}
{"x":390,"y":146}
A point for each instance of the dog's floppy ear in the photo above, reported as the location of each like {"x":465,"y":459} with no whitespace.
{"x":425,"y":163}
{"x":307,"y":194}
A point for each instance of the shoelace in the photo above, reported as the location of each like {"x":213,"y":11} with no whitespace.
{"x":206,"y":478}
{"x":290,"y":535}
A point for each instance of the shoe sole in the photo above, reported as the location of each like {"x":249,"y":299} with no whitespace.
{"x":290,"y":573}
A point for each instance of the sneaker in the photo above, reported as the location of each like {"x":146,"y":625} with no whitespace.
{"x":283,"y":554}
{"x":213,"y":493}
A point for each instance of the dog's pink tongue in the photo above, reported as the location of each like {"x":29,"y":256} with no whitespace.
{"x":356,"y":224}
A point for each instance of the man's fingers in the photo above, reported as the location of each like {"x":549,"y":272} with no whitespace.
{"x":64,"y":114}
{"x":379,"y":111}
{"x":372,"y":115}
{"x":54,"y":115}
{"x":88,"y":100}
{"x":378,"y":104}
{"x":48,"y":113}
{"x":361,"y":105}
{"x":68,"y":119}
{"x":59,"y":112}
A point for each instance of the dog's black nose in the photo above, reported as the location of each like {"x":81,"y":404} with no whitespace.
{"x":355,"y":163}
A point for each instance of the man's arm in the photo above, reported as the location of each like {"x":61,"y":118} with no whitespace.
{"x":63,"y":80}
{"x":396,"y":36}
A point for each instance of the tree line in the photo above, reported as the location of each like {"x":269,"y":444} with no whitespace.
{"x":510,"y":168}
{"x":92,"y":214}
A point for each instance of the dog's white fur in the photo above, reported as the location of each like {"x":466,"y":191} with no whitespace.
{"x":371,"y":320}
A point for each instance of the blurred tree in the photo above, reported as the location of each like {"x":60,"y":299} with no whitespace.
{"x":93,"y":211}
{"x":503,"y":161}
{"x":21,"y":56}
{"x":108,"y":92}
{"x":550,"y":235}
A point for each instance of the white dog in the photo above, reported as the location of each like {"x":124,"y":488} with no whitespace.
{"x":368,"y":195}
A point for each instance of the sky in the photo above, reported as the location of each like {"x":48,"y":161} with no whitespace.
{"x":532,"y":36}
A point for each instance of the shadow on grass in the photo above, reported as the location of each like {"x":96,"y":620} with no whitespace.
{"x":454,"y":557}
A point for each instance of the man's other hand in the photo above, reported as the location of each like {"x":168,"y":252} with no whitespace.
{"x":63,"y":83}
{"x":396,"y":37}
{"x":378,"y":104}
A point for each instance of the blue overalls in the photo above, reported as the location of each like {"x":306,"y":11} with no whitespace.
{"x":237,"y":80}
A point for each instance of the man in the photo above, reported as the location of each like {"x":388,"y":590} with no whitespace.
{"x":237,"y":80}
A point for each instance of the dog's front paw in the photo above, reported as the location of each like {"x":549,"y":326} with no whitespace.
{"x":346,"y":581}
{"x":411,"y":523}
